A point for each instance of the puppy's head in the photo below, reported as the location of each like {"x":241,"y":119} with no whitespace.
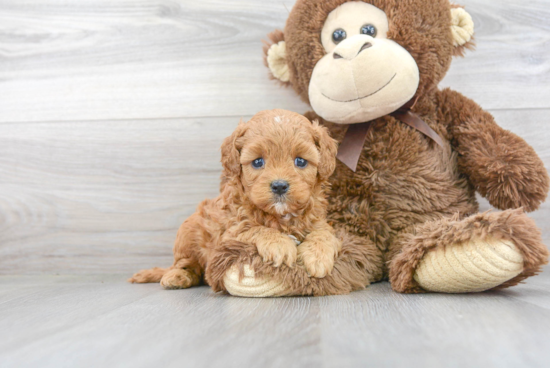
{"x":281,"y":159}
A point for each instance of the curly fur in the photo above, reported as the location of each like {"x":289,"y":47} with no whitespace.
{"x":408,"y":195}
{"x":247,"y":217}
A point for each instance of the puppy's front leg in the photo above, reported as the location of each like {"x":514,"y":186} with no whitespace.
{"x":318,"y":251}
{"x":273,"y":246}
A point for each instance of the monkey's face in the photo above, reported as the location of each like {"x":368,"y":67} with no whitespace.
{"x":364,"y":75}
{"x":355,"y":61}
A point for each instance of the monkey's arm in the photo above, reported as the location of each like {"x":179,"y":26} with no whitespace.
{"x":502,"y":166}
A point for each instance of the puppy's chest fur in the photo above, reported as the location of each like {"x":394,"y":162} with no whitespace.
{"x":295,"y":226}
{"x":402,"y":178}
{"x":244,"y":216}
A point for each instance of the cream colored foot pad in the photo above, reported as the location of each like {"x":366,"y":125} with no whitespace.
{"x":473,"y":266}
{"x":252,"y":287}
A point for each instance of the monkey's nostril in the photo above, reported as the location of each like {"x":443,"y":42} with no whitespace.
{"x":337,"y":56}
{"x":365,"y":46}
{"x":279,"y":187}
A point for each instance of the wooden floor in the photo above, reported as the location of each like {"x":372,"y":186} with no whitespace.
{"x":101,"y":321}
{"x":111,"y":117}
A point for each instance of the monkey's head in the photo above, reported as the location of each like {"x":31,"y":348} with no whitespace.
{"x":355,"y":61}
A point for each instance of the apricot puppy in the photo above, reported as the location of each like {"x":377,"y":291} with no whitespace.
{"x":275,"y":172}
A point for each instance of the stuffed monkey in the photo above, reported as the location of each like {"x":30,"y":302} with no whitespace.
{"x":413,"y":156}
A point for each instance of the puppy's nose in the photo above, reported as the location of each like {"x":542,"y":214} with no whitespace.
{"x":279,"y":187}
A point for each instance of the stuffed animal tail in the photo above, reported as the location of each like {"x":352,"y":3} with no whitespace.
{"x":146,"y":276}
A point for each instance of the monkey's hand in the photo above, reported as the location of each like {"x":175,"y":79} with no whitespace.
{"x":502,"y":166}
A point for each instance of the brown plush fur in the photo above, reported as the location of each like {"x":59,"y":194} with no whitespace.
{"x":409,"y":195}
{"x":508,"y":225}
{"x":247,"y":213}
{"x":421,"y":27}
{"x":350,"y":272}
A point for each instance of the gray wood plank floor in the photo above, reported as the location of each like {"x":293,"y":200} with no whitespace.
{"x":101,"y":321}
{"x":111,"y":117}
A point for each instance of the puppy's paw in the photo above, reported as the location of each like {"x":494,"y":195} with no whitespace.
{"x":179,"y":279}
{"x":144,"y":276}
{"x":278,"y":251}
{"x":318,"y":259}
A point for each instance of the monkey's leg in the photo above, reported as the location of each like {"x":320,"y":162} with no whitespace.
{"x":481,"y":252}
{"x":237,"y":269}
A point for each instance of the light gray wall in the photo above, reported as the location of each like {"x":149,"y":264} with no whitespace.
{"x":112,"y":113}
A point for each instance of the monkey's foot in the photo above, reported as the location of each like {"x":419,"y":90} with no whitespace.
{"x":252,"y":287}
{"x":472,"y":266}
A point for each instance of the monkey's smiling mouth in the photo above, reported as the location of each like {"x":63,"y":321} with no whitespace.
{"x":360,"y":98}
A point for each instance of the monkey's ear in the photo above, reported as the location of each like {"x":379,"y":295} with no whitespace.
{"x":275,"y":56}
{"x":231,"y":155}
{"x":462,"y":28}
{"x":327,"y":148}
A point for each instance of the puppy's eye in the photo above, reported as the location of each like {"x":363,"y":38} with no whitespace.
{"x":369,"y":30}
{"x":338,"y":35}
{"x":258,"y":163}
{"x":300,"y":162}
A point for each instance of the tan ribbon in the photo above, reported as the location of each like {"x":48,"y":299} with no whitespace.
{"x":351,"y":147}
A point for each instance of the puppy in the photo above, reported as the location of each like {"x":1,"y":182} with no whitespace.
{"x":275,"y":172}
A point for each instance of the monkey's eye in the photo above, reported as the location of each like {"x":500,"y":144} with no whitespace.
{"x":258,"y":163}
{"x":300,"y":162}
{"x":369,"y":30}
{"x":339,"y":35}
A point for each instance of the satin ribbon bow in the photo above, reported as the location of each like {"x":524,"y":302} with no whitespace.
{"x":351,"y":147}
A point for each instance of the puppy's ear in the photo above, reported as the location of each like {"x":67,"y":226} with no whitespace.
{"x":327,"y":148}
{"x":231,"y":152}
